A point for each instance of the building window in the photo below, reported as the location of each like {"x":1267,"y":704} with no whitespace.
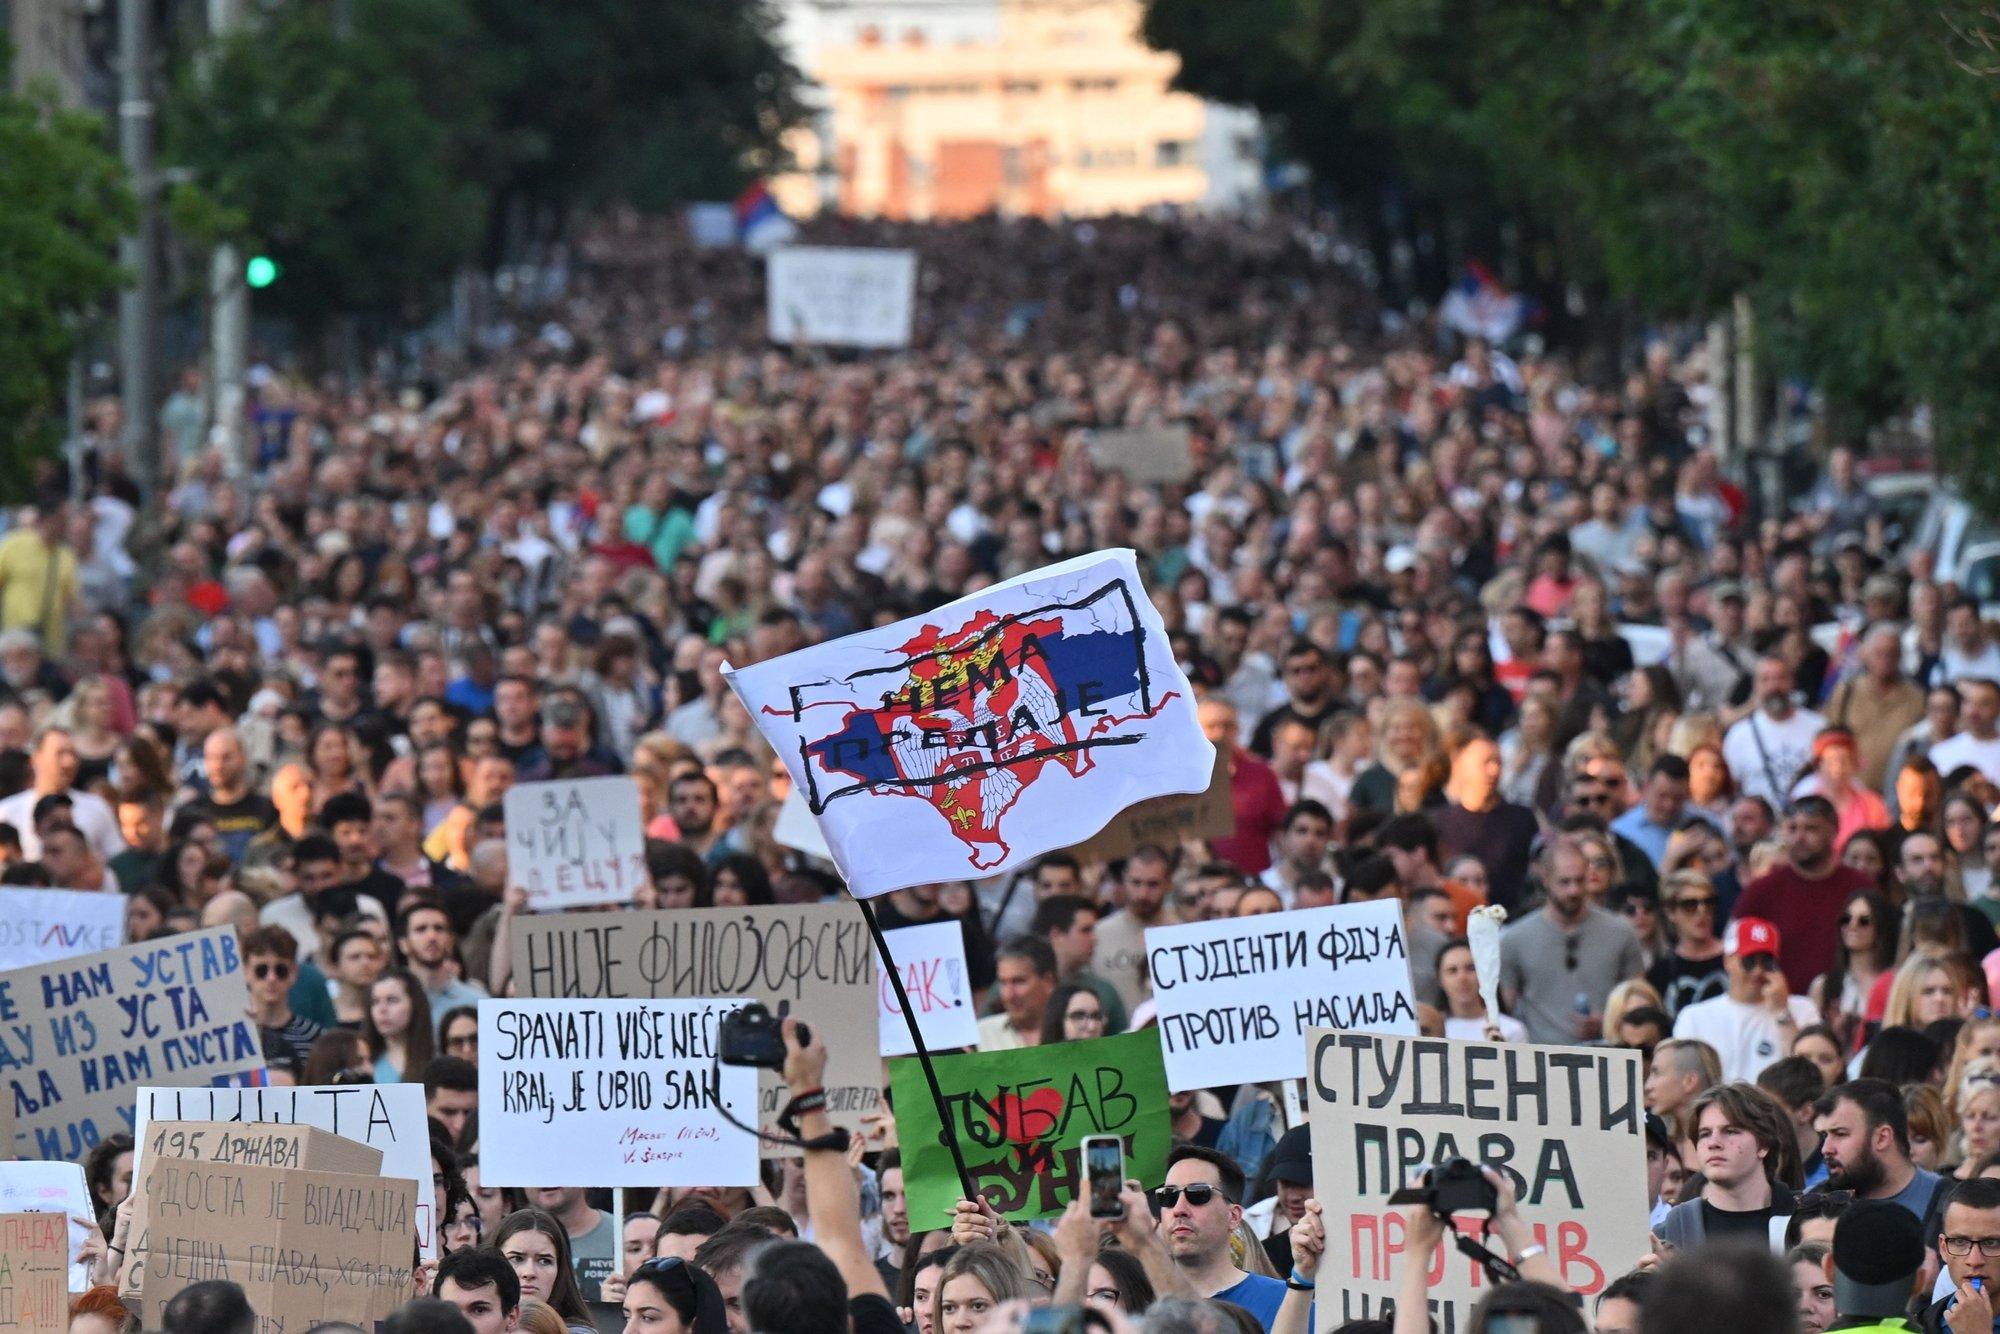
{"x":1021,"y":87}
{"x":1172,"y":153}
{"x":1093,"y":85}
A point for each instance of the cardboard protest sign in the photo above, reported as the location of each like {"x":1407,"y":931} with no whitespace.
{"x":78,"y":1035}
{"x":611,"y":1093}
{"x":972,"y":739}
{"x":230,"y":1144}
{"x":1021,"y":1117}
{"x":34,"y":1253}
{"x":1567,"y":1124}
{"x":931,"y":960}
{"x":847,"y":296}
{"x":1145,"y":454}
{"x":1236,"y":997}
{"x":815,"y":958}
{"x":42,"y":925}
{"x":306,"y":1247}
{"x":388,"y":1117}
{"x":576,"y":843}
{"x":51,"y":1188}
{"x":1165,"y":821}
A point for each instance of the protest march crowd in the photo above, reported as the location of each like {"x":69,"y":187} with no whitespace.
{"x":1468,"y":631}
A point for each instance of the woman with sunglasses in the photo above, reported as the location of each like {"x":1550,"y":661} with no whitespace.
{"x":538,"y":1249}
{"x":1866,"y":950}
{"x":671,"y":1296}
{"x":1692,"y":971}
{"x":398,"y":1031}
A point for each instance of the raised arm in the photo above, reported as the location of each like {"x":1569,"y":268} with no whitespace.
{"x":831,"y":1195}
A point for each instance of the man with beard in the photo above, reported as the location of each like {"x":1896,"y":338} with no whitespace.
{"x":1865,"y":1142}
{"x":1920,"y":866}
{"x":1803,"y":895}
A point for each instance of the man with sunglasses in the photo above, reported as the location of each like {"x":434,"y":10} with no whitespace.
{"x":1753,"y":1023}
{"x":1198,"y":1208}
{"x":271,"y":961}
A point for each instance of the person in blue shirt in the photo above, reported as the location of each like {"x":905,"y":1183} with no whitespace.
{"x":1198,"y":1208}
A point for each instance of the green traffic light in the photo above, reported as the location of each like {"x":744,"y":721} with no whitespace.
{"x":261,"y":271}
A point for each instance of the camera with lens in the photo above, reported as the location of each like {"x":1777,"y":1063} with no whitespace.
{"x":1454,"y":1186}
{"x":752,"y":1036}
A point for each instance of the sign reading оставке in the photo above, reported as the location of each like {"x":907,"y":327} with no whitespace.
{"x":974,"y":738}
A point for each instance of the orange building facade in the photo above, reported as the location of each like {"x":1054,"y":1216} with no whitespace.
{"x":1035,"y":107}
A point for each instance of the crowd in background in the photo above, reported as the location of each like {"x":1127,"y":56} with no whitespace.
{"x":1471,"y":628}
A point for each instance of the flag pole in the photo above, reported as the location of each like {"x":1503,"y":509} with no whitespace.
{"x":950,"y":1135}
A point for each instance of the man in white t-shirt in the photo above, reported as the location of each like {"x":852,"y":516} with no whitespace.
{"x":1978,"y":740}
{"x":1753,"y":1023}
{"x":1768,"y":750}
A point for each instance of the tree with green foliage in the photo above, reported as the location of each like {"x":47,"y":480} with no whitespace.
{"x":1834,"y":160}
{"x":345,"y":142}
{"x":635,"y":101}
{"x":63,"y":205}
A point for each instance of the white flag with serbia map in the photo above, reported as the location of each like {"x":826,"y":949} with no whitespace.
{"x":970,"y":740}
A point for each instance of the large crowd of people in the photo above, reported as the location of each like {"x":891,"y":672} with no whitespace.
{"x":1470,"y":628}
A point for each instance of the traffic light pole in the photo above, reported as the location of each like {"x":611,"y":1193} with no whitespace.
{"x":229,"y":344}
{"x":138,"y":250}
{"x":228,"y":307}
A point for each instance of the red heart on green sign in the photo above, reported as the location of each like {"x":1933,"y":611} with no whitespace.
{"x":1025,"y":1120}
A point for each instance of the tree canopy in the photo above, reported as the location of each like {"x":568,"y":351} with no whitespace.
{"x":63,"y":203}
{"x":371,"y":145}
{"x":1831,"y":159}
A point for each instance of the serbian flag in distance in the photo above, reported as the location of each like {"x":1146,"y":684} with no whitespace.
{"x":968,"y":741}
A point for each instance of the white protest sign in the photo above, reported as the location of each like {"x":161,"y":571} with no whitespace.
{"x":576,"y":843}
{"x":931,"y":961}
{"x":389,"y":1117}
{"x":1236,"y":997}
{"x":1567,"y":1124}
{"x":611,"y":1093}
{"x":796,"y":829}
{"x":51,"y":1188}
{"x":844,"y":295}
{"x":42,"y":925}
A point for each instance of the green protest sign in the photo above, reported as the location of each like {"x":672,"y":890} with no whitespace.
{"x":1021,"y":1117}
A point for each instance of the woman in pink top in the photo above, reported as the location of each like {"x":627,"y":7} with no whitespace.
{"x":1836,"y":761}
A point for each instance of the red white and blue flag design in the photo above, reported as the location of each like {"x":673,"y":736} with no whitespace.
{"x":1025,"y":717}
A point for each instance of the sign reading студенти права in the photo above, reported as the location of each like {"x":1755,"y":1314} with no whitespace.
{"x":970,"y":740}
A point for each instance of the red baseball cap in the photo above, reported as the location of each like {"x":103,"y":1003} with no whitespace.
{"x":1750,"y":935}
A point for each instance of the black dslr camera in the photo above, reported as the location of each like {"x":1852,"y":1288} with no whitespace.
{"x":751,"y":1036}
{"x":1454,"y":1186}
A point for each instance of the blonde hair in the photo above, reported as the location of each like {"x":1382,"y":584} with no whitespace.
{"x":1692,"y":731}
{"x":1909,"y":981}
{"x":1415,"y":711}
{"x":1000,"y":1273}
{"x":1961,"y":1063}
{"x":1634,"y":993}
{"x":538,"y":1317}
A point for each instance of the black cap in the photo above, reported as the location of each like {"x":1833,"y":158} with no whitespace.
{"x":1656,"y":1133}
{"x":1292,"y":1160}
{"x":1877,"y":1248}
